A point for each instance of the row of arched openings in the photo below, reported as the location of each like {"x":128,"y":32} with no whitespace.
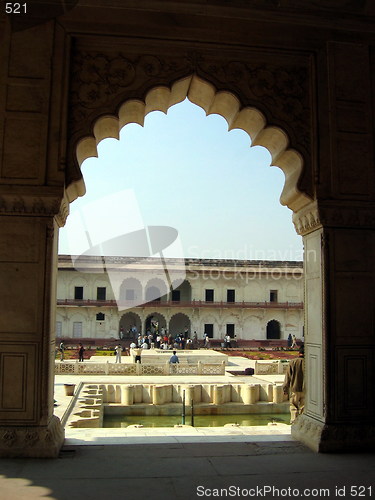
{"x":130,"y":324}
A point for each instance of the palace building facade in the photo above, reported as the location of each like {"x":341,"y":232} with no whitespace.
{"x":248,"y":300}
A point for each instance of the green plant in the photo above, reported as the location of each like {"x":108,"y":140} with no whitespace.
{"x":107,"y":352}
{"x":263,"y":354}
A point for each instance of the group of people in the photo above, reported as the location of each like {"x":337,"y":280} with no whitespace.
{"x":132,"y":332}
{"x":81,"y":351}
{"x":160,"y":338}
{"x":137,"y":352}
{"x":167,"y":341}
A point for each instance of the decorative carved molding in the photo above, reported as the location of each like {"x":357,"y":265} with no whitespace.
{"x":333,"y":437}
{"x":313,"y":217}
{"x":280,"y":91}
{"x":307,"y":220}
{"x":99,"y":78}
{"x":63,"y":212}
{"x":30,"y":205}
{"x":32,"y":441}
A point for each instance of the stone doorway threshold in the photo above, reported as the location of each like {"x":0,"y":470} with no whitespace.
{"x":183,"y":434}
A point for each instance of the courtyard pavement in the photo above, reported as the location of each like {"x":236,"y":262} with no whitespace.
{"x":188,"y":470}
{"x":184,"y":463}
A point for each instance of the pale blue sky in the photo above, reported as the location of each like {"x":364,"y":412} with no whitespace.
{"x":185,"y":170}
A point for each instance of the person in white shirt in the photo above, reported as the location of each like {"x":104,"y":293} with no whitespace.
{"x":118,"y":350}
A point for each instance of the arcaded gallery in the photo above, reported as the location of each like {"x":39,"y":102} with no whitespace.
{"x":297,"y":77}
{"x":247,"y":300}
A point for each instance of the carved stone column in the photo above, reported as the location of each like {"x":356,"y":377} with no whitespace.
{"x":28,"y":270}
{"x":32,"y":131}
{"x":339,"y":322}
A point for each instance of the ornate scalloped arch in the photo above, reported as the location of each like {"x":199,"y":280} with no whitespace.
{"x":179,"y":314}
{"x":133,"y":314}
{"x":156,"y":281}
{"x":132,"y":281}
{"x":205,"y":95}
{"x":156,"y":313}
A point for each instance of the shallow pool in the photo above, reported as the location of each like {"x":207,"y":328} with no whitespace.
{"x":199,"y":420}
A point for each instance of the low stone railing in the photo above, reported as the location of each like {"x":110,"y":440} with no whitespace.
{"x":276,"y":367}
{"x":77,"y":368}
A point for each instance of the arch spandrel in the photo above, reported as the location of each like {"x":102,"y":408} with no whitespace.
{"x":223,"y":103}
{"x":266,"y":95}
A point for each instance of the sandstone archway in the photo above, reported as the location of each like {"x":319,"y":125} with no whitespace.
{"x":308,"y":72}
{"x":273,"y":330}
{"x":154,"y":323}
{"x":179,"y":324}
{"x":203,"y":94}
{"x":129,"y":326}
{"x":225,"y":103}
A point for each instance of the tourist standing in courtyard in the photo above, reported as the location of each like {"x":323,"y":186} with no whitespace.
{"x":158,"y":340}
{"x":118,"y":351}
{"x":294,"y":342}
{"x":61,"y":349}
{"x":137,"y":353}
{"x":290,"y":341}
{"x":81,"y":350}
{"x":294,"y":385}
{"x":174,"y":358}
{"x":173,"y":361}
{"x":195,"y":341}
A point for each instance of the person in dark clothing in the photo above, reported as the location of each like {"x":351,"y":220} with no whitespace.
{"x":81,"y":350}
{"x":173,"y":361}
{"x":61,"y":349}
{"x":290,"y":341}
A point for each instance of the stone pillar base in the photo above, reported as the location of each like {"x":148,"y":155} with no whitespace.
{"x":333,"y":438}
{"x":32,"y":442}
